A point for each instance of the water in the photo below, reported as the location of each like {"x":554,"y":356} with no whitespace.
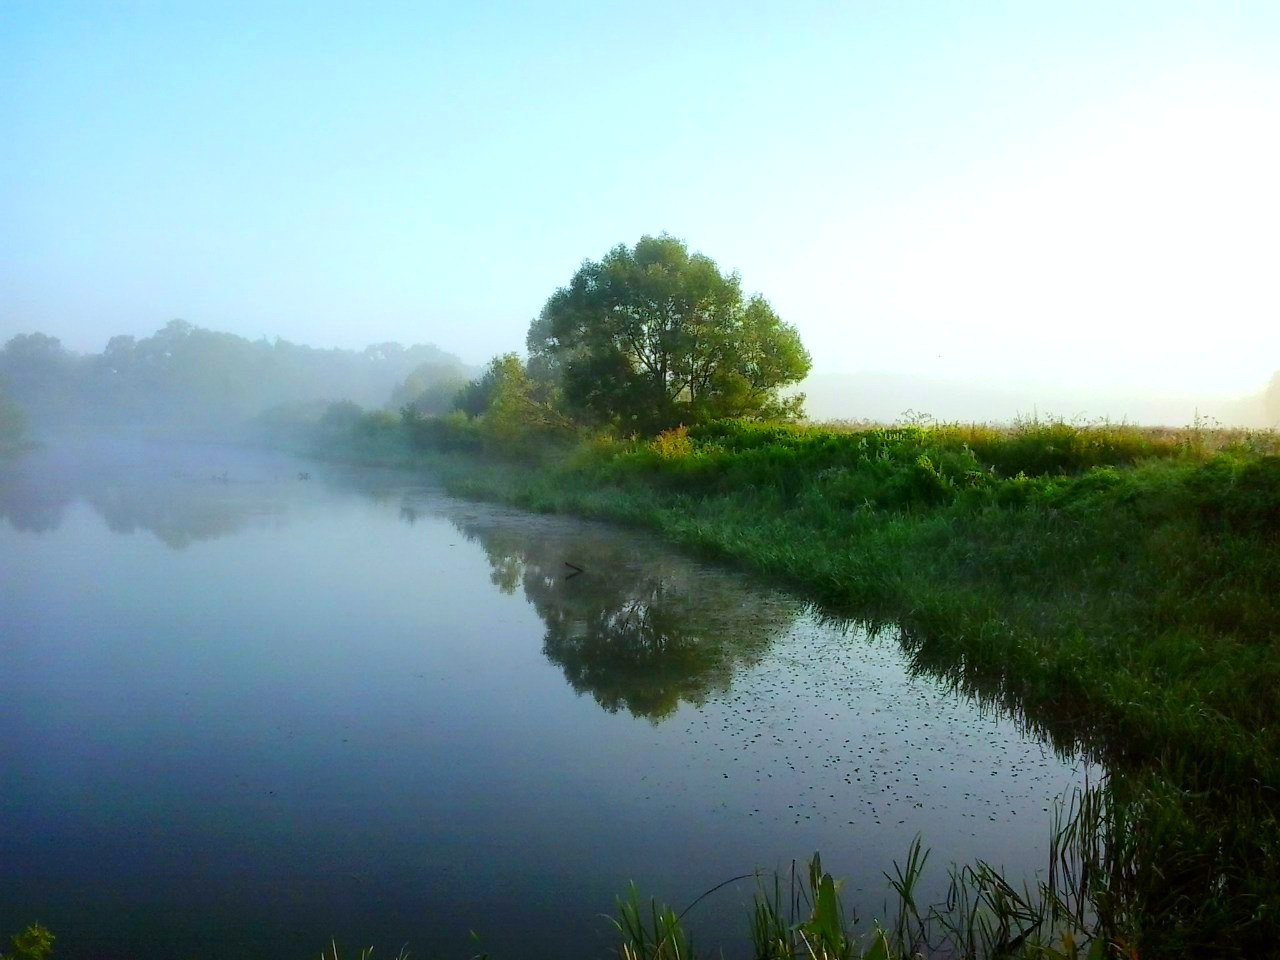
{"x":242,"y":712}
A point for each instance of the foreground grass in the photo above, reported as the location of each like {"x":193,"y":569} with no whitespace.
{"x":983,"y":916}
{"x":801,"y":916}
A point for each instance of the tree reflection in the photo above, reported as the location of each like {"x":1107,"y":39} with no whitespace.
{"x":640,"y":629}
{"x":180,"y":502}
{"x":30,"y":504}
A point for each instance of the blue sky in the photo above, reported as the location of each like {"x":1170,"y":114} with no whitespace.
{"x":1067,"y":193}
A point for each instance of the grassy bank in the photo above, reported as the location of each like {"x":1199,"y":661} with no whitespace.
{"x":1119,"y":586}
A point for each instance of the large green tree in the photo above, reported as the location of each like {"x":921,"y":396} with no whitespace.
{"x":652,"y":336}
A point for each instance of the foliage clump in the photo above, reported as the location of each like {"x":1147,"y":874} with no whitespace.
{"x":33,"y":943}
{"x":653,"y":336}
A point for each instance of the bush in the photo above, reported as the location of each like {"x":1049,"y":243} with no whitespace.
{"x":33,"y":943}
{"x":1241,"y":498}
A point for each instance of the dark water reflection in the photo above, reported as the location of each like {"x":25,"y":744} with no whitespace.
{"x":182,"y":496}
{"x":640,"y":630}
{"x":241,"y":712}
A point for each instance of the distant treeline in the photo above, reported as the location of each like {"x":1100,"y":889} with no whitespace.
{"x":185,"y":378}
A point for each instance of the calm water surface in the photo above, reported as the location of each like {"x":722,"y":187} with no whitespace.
{"x":242,"y":712}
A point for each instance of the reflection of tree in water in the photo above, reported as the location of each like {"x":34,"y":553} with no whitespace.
{"x":640,"y":630}
{"x":33,"y":504}
{"x":179,"y":509}
{"x":178,"y":514}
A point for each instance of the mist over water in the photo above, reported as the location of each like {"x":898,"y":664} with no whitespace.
{"x":246,"y":711}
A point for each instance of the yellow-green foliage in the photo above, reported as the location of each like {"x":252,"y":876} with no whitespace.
{"x":913,"y":467}
{"x":672,"y":444}
{"x":33,"y":943}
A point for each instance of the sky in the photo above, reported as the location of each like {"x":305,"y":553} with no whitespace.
{"x":1079,"y":195}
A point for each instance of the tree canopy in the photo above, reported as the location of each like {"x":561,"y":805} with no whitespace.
{"x":186,"y":377}
{"x":430,"y":388}
{"x":652,"y":336}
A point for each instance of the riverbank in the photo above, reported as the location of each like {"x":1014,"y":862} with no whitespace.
{"x":1120,"y":587}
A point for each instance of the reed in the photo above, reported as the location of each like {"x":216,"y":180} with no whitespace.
{"x":801,"y":915}
{"x":365,"y":953}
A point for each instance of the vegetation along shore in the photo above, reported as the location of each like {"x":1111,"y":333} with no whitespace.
{"x":1117,"y":585}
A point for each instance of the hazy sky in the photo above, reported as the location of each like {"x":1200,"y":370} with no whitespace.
{"x":1065,"y":193}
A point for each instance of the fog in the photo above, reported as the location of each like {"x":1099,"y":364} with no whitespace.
{"x":184,"y":381}
{"x":976,"y":213}
{"x":187,"y":382}
{"x":890,"y":398}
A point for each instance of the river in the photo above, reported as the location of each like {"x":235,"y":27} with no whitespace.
{"x":249,"y":703}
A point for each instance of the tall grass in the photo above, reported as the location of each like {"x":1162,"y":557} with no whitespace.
{"x":801,"y":916}
{"x":365,"y":953}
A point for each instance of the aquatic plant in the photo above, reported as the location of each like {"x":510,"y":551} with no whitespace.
{"x":983,"y":917}
{"x":365,"y":954}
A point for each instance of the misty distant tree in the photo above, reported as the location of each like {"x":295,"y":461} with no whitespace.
{"x":476,"y":396}
{"x":13,"y":425}
{"x":652,"y":336}
{"x":41,"y":375}
{"x":1271,"y":401}
{"x":341,"y":416}
{"x":430,"y":388}
{"x":186,"y":378}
